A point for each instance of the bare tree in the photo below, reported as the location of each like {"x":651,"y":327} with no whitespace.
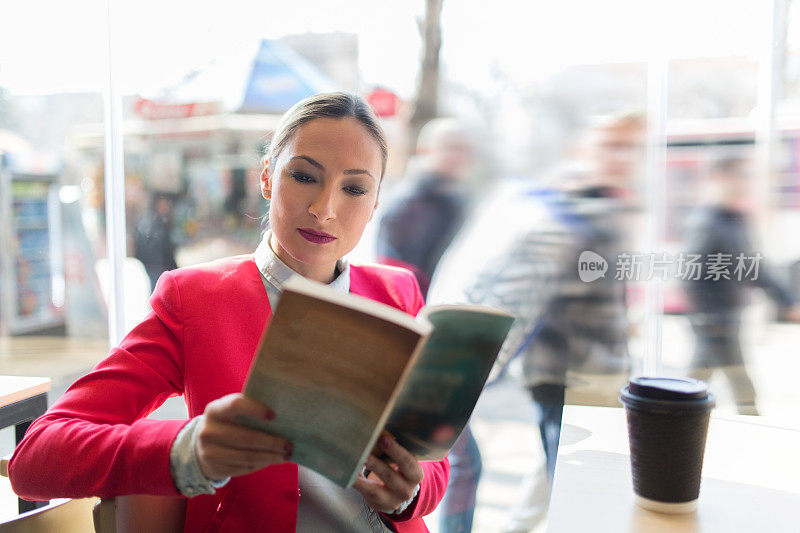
{"x":426,"y":100}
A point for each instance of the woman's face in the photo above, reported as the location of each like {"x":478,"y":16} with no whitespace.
{"x":323,"y":189}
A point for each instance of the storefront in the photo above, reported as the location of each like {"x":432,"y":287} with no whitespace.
{"x":200,"y":144}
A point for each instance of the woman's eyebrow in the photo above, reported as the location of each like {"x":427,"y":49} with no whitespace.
{"x":359,"y":171}
{"x":312,"y":161}
{"x":319,"y":166}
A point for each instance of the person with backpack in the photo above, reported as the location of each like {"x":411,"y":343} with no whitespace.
{"x":567,"y":331}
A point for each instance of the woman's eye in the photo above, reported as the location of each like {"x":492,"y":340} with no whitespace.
{"x":300,"y":177}
{"x":355,"y":190}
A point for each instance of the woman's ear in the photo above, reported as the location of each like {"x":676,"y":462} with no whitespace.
{"x":374,"y":208}
{"x":266,"y":181}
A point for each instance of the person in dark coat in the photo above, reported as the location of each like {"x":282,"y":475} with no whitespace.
{"x":421,"y":221}
{"x":718,"y":295}
{"x":152,"y":238}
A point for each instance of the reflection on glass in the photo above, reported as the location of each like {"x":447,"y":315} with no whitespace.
{"x":53,"y":315}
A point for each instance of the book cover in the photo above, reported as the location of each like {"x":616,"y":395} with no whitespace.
{"x":332,"y":366}
{"x":444,"y":385}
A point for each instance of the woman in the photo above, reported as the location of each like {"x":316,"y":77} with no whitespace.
{"x":321,"y":175}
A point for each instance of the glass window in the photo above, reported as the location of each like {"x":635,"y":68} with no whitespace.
{"x":625,"y":180}
{"x":53,"y":314}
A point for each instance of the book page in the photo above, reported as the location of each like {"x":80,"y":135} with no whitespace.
{"x":329,"y":373}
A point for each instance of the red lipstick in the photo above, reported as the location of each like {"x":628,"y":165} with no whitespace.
{"x":317,"y":237}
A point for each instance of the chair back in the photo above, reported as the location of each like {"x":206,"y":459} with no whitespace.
{"x":124,"y":514}
{"x":104,"y":516}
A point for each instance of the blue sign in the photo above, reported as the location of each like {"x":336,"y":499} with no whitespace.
{"x":281,"y":77}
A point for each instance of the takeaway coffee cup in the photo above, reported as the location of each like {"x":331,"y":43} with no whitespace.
{"x":667,"y":427}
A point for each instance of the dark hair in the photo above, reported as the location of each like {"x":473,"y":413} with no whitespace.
{"x":328,"y":105}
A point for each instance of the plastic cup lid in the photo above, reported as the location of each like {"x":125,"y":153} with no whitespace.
{"x":662,"y":388}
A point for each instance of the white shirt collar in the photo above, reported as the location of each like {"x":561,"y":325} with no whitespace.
{"x":276,"y":272}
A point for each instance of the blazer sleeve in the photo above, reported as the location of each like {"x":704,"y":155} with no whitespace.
{"x":95,"y":440}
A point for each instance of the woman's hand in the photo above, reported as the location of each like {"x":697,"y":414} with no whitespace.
{"x":224,"y":448}
{"x":391,"y":482}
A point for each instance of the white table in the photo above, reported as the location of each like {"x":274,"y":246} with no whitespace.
{"x":751,"y":478}
{"x":22,"y":399}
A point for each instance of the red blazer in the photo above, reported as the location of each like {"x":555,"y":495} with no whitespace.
{"x":198,"y":341}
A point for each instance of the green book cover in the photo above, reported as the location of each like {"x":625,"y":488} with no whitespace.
{"x":444,"y":385}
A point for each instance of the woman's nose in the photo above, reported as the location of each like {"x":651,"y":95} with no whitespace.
{"x":322,"y":206}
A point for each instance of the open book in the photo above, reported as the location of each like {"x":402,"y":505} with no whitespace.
{"x":338,"y":369}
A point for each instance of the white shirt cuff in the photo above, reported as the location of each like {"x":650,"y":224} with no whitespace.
{"x":186,"y":472}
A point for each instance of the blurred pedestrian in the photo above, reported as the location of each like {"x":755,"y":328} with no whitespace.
{"x":152,"y":237}
{"x":717,"y":297}
{"x":422,"y":219}
{"x":532,"y":236}
{"x":414,"y":232}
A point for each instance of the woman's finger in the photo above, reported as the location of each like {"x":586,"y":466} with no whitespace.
{"x":224,"y":461}
{"x":376,"y":495}
{"x":406,"y":463}
{"x":227,"y":408}
{"x":401,"y":488}
{"x":243,"y":438}
{"x":224,"y":448}
{"x":395,"y":483}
